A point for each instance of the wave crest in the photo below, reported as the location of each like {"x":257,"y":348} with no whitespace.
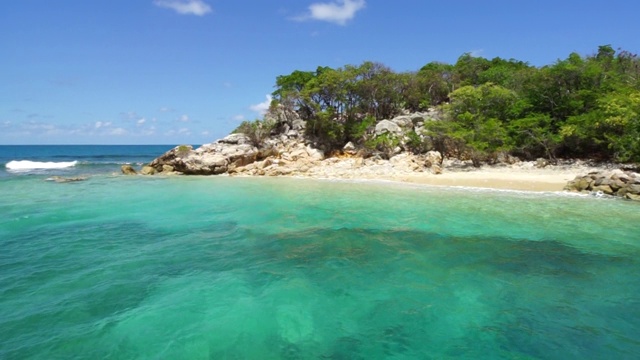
{"x":33,"y":165}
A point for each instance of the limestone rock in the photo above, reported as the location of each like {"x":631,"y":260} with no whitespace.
{"x":128,"y":170}
{"x":616,"y":182}
{"x":386,"y":126}
{"x":403,"y":121}
{"x":349,"y":148}
{"x":433,"y":158}
{"x":148,"y":170}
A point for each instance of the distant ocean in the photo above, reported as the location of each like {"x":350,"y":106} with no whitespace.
{"x":133,"y":267}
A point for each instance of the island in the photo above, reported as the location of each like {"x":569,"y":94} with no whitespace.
{"x":490,"y":123}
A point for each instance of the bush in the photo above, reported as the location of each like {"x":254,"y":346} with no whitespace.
{"x":257,"y":131}
{"x":385,"y":143}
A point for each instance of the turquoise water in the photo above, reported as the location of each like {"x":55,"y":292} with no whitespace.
{"x":243,"y":268}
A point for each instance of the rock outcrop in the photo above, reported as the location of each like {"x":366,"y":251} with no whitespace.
{"x":286,"y":152}
{"x":128,"y":170}
{"x":619,"y":183}
{"x":216,"y":158}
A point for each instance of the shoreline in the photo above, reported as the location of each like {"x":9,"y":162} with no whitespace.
{"x":516,"y":179}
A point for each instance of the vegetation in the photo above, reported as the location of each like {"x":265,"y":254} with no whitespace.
{"x":257,"y":131}
{"x":183,"y":150}
{"x":582,"y":106}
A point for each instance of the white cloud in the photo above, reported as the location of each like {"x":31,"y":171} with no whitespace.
{"x":184,"y":118}
{"x":185,"y":7}
{"x":338,"y":12}
{"x":476,"y":53}
{"x":118,"y":131}
{"x":166,"y":109}
{"x":239,"y":118}
{"x":262,"y":107}
{"x":100,"y":124}
{"x":141,"y":121}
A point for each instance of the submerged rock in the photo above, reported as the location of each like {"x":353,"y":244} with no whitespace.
{"x":60,"y":179}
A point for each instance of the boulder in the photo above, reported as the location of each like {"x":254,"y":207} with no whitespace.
{"x":128,"y":170}
{"x":433,"y":158}
{"x":617,"y":183}
{"x":386,"y":126}
{"x":349,"y":148}
{"x":403,"y":121}
{"x":542,"y":163}
{"x":148,"y":170}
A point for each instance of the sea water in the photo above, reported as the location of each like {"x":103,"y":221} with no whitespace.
{"x":119,"y":267}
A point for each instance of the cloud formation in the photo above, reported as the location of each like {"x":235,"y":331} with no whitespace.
{"x":185,"y":7}
{"x":335,"y":12}
{"x":262,"y":107}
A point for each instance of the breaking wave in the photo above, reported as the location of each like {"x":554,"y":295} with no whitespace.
{"x":21,"y":165}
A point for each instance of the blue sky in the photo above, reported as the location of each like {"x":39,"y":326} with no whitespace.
{"x":188,"y":71}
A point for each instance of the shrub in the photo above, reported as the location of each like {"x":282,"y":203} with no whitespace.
{"x":257,"y":131}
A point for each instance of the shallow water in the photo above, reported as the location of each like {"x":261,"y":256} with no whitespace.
{"x":214,"y":268}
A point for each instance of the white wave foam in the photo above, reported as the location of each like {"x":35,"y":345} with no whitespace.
{"x":33,"y":165}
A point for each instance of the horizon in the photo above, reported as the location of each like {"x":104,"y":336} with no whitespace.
{"x":161,"y":72}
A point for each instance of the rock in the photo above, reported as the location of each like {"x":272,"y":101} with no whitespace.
{"x":235,"y":139}
{"x":148,"y":170}
{"x":167,"y":168}
{"x":386,"y":126}
{"x":298,"y":125}
{"x":436,"y":169}
{"x":604,"y":188}
{"x":349,"y":148}
{"x":542,"y":163}
{"x":128,"y":170}
{"x":314,"y":153}
{"x":635,"y":197}
{"x":616,"y":183}
{"x":209,"y":159}
{"x":60,"y":179}
{"x":403,"y":121}
{"x":433,"y":158}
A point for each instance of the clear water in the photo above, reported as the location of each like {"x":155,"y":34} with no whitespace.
{"x":240,"y":268}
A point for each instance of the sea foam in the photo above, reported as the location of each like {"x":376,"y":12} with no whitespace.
{"x":19,"y":165}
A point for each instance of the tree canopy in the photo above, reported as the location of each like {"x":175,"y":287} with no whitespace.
{"x":581,"y":106}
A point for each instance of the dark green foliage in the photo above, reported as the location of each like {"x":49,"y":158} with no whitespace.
{"x":582,"y":106}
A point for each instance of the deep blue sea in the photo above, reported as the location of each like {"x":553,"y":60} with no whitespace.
{"x":134,"y":267}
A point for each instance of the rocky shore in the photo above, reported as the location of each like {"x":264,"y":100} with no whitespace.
{"x":616,"y":182}
{"x":287,"y":153}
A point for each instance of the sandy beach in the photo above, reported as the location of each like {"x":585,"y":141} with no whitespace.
{"x":523,"y":176}
{"x":541,"y":180}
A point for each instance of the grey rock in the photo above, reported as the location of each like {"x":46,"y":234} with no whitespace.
{"x":403,"y":121}
{"x":386,"y":126}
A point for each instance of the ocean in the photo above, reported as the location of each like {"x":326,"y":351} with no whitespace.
{"x":133,"y":267}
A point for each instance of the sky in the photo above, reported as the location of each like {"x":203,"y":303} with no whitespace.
{"x":189,"y":71}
